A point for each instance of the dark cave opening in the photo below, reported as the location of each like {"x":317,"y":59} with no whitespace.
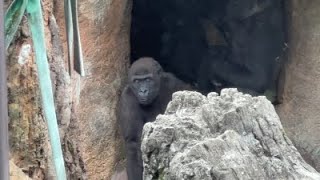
{"x":212,"y":44}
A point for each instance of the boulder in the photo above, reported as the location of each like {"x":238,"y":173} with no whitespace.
{"x":16,"y":173}
{"x":231,"y":136}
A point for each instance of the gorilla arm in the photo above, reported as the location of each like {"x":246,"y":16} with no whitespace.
{"x":131,"y":124}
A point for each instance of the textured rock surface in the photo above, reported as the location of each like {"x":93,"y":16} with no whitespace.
{"x":104,"y":26}
{"x":232,"y":136}
{"x":88,"y":127}
{"x":300,"y":107}
{"x":16,"y":173}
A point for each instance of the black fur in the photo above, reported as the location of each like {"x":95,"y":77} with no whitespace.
{"x":133,"y":114}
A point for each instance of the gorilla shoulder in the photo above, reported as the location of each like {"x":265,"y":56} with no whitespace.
{"x":171,"y":82}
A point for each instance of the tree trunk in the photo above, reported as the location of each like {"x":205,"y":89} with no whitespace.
{"x":85,"y":106}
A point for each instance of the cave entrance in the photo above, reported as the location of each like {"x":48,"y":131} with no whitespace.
{"x":172,"y":32}
{"x":182,"y":34}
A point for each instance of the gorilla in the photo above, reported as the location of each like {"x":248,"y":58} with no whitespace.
{"x":146,"y":95}
{"x":254,"y":32}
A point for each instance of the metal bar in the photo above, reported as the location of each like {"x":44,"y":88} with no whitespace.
{"x":78,"y":57}
{"x":69,"y":31}
{"x":4,"y":144}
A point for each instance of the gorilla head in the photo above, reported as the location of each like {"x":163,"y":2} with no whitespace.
{"x":146,"y":95}
{"x":144,"y":79}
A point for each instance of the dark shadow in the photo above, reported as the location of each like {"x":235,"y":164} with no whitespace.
{"x":212,"y":44}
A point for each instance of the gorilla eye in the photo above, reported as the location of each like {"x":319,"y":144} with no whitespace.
{"x":148,"y":79}
{"x":136,"y":81}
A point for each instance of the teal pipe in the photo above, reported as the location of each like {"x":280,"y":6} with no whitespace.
{"x":37,"y":31}
{"x":13,"y":18}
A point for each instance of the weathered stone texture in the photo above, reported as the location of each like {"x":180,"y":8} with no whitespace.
{"x":232,"y":136}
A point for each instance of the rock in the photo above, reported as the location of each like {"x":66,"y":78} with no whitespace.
{"x":105,"y":29}
{"x":299,"y":109}
{"x":88,"y":125}
{"x":231,"y":136}
{"x":16,"y":173}
{"x":120,"y":175}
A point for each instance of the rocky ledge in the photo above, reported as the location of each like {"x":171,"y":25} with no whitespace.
{"x":226,"y":137}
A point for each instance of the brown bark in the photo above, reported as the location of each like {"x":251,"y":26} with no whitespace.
{"x":85,"y":106}
{"x":27,"y":129}
{"x":104,"y":27}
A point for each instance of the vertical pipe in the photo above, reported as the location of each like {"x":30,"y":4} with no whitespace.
{"x":4,"y":145}
{"x":78,"y":57}
{"x":69,"y":31}
{"x":35,"y":21}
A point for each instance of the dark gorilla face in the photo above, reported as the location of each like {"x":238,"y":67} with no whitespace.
{"x":145,"y":88}
{"x":144,"y":77}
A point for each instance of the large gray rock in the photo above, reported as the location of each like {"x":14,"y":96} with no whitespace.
{"x":232,"y":136}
